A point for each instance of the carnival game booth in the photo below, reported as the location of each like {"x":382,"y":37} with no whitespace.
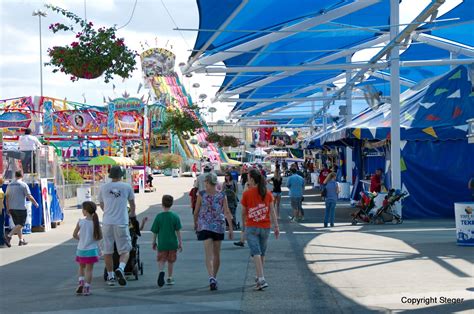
{"x":436,"y":159}
{"x":41,"y":167}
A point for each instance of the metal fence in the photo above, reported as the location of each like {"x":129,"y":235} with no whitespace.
{"x":67,"y":193}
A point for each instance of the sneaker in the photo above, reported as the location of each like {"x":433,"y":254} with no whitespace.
{"x":170,"y":281}
{"x":302,"y":218}
{"x":7,"y":239}
{"x":262,"y":284}
{"x":120,"y":277}
{"x":161,"y":279}
{"x":239,"y":243}
{"x":86,"y":291}
{"x":80,"y":288}
{"x":111,"y":282}
{"x":22,"y":242}
{"x":213,"y":284}
{"x":332,"y":225}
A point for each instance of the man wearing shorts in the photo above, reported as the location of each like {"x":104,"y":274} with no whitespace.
{"x":296,"y":186}
{"x":17,"y":192}
{"x":114,"y":197}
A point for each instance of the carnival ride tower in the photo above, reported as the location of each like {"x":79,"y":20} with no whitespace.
{"x":159,"y":76}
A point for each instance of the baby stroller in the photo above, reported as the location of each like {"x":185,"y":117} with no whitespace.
{"x":134,"y":264}
{"x":366,"y":203}
{"x":386,"y":212}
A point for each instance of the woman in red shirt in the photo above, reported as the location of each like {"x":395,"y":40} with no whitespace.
{"x":257,"y":212}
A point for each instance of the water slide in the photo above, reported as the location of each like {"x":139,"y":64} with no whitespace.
{"x":169,"y":87}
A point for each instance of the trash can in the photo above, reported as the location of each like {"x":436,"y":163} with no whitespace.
{"x":83,"y":194}
{"x":175,"y":173}
{"x":463,"y":213}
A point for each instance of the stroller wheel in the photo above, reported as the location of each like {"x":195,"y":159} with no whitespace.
{"x":106,"y":276}
{"x":135,"y":272}
{"x":141,"y":268}
{"x":354,"y":222}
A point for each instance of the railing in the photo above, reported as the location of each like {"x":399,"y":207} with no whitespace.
{"x":67,"y":193}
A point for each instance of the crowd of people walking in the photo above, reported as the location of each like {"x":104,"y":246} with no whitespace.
{"x":214,"y":210}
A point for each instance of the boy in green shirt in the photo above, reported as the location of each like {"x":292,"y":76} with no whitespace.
{"x":167,"y":239}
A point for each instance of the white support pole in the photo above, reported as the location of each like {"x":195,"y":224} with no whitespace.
{"x":348,"y":119}
{"x":452,"y":55}
{"x":293,"y":94}
{"x":325,"y":122}
{"x":442,"y":43}
{"x":280,"y":99}
{"x":395,"y":98}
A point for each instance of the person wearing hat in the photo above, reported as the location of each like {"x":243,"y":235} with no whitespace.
{"x":114,"y":198}
{"x":200,"y":182}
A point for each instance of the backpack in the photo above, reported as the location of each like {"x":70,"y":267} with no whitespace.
{"x":232,"y":198}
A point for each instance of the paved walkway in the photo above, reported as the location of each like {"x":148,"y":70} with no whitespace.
{"x":362,"y":269}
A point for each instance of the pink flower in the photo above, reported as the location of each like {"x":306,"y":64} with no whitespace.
{"x":78,"y":35}
{"x":74,"y":44}
{"x":119,"y":42}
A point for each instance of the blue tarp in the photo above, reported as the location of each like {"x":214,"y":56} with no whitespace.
{"x":437,"y":160}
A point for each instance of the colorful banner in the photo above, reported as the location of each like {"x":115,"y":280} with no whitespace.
{"x":46,"y":200}
{"x":126,"y":117}
{"x":16,"y":115}
{"x":75,"y":122}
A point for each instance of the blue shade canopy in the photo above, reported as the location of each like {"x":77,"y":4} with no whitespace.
{"x":245,"y":21}
{"x":254,"y":15}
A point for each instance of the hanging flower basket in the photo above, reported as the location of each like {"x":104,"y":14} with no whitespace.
{"x":203,"y":144}
{"x":181,"y":122}
{"x":213,"y":137}
{"x":229,"y":140}
{"x":193,"y":141}
{"x":93,"y":52}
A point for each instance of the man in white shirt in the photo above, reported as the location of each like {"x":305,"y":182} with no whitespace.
{"x":114,"y":198}
{"x":28,"y":144}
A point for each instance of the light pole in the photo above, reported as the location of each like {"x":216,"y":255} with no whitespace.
{"x":40,"y":14}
